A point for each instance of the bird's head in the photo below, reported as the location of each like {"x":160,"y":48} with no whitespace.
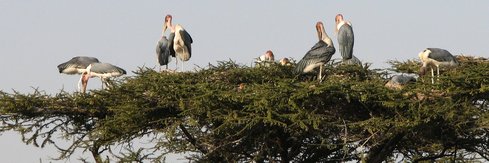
{"x":168,"y":19}
{"x":338,"y":18}
{"x":269,"y":55}
{"x":319,"y":29}
{"x":284,"y":61}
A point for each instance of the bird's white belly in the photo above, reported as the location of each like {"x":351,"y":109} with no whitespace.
{"x":311,"y":67}
{"x":436,"y":63}
{"x":181,"y":50}
{"x":106,"y":75}
{"x":73,"y":70}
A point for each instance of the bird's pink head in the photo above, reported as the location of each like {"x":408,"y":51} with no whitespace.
{"x":338,"y":18}
{"x":167,"y":23}
{"x":284,"y":61}
{"x":319,"y":25}
{"x":319,"y":29}
{"x":269,"y":55}
{"x":168,"y":18}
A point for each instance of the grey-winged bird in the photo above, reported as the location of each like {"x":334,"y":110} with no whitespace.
{"x":319,"y":54}
{"x":434,"y":58}
{"x":102,"y":70}
{"x":346,"y":40}
{"x":76,"y":65}
{"x":182,"y":42}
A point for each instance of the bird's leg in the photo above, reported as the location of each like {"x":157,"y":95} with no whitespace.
{"x":320,"y":77}
{"x":176,"y":64}
{"x":103,"y":82}
{"x":432,"y":76}
{"x":79,"y":82}
{"x":182,"y":67}
{"x":107,"y":85}
{"x":437,"y":73}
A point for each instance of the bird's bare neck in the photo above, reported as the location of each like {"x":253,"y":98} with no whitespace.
{"x":327,"y":40}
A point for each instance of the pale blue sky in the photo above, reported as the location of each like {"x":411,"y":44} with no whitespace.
{"x":36,"y":36}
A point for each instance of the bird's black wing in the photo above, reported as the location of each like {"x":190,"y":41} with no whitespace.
{"x":346,"y":40}
{"x":171,"y":38}
{"x":187,"y":39}
{"x":106,"y":68}
{"x":440,"y":55}
{"x":79,"y":62}
{"x":320,"y":52}
{"x":161,"y":51}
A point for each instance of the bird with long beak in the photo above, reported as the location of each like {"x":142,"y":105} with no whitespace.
{"x":181,"y":43}
{"x":319,"y":54}
{"x":434,"y":58}
{"x":346,"y":39}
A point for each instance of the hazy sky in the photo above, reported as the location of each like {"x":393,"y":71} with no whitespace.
{"x":36,"y":36}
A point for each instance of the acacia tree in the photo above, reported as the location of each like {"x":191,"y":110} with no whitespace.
{"x":234,"y":113}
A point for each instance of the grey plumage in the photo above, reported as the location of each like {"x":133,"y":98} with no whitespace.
{"x":170,"y":50}
{"x":164,"y":51}
{"x":434,"y":58}
{"x":441,"y":55}
{"x":106,"y":68}
{"x":352,"y":61}
{"x":76,"y":65}
{"x":399,"y":81}
{"x":104,"y":71}
{"x":402,"y":79}
{"x":320,"y":53}
{"x":346,"y":40}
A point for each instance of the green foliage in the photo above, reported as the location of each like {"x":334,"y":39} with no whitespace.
{"x":230,"y":113}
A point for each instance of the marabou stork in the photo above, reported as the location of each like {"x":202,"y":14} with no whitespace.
{"x":319,"y":54}
{"x":181,"y":44}
{"x":399,"y":81}
{"x":435,"y":57}
{"x":265,"y":59}
{"x":346,"y":39}
{"x":163,"y":50}
{"x":102,"y":70}
{"x":76,"y":65}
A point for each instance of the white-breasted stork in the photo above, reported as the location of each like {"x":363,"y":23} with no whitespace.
{"x":102,"y":70}
{"x":319,"y":54}
{"x":435,"y":57}
{"x":182,"y":42}
{"x":76,"y":65}
{"x":346,"y":40}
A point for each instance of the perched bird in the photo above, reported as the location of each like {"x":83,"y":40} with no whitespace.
{"x":399,"y":81}
{"x":265,"y":59}
{"x":102,"y":70}
{"x":163,"y":50}
{"x":285,"y":62}
{"x":346,"y":39}
{"x":181,"y":44}
{"x":76,"y":65}
{"x":319,"y":54}
{"x":435,"y":57}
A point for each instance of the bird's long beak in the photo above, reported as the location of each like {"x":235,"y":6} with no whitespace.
{"x":164,"y":28}
{"x":320,"y":33}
